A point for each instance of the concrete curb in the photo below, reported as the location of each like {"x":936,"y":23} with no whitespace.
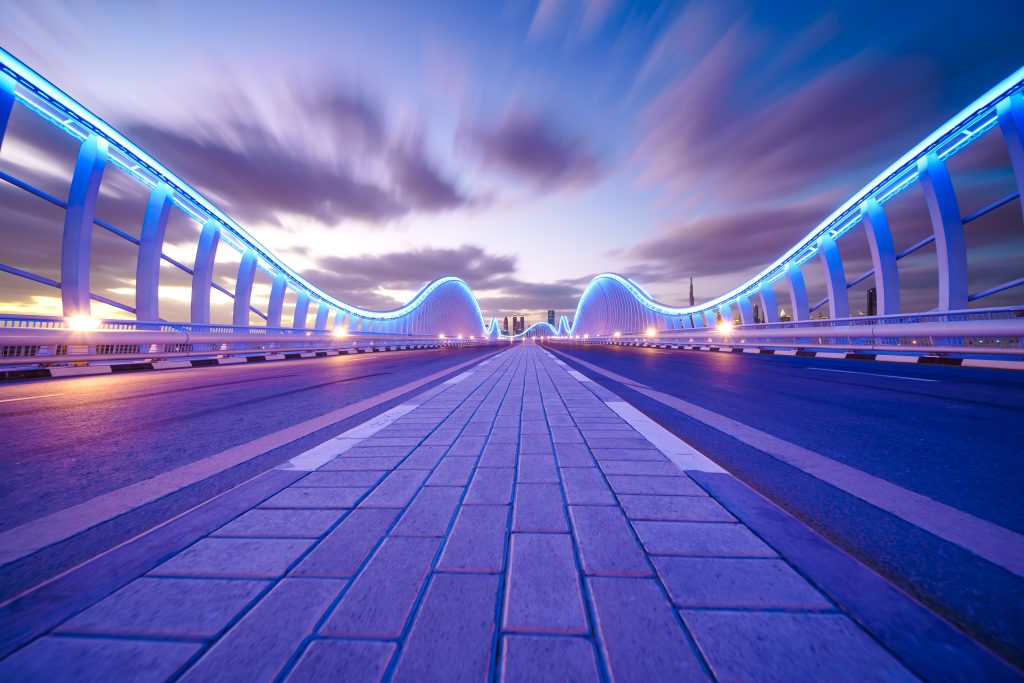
{"x":76,"y":371}
{"x":848,"y":355}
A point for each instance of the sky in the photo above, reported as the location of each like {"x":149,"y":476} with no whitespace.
{"x":525,"y":146}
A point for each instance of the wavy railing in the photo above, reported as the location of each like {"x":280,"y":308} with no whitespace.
{"x":445,"y":306}
{"x":614,"y":305}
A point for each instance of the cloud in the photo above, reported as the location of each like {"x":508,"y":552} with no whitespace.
{"x":332,"y":159}
{"x":527,"y":147}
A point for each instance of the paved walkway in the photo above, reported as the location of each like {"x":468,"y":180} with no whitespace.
{"x":508,"y":525}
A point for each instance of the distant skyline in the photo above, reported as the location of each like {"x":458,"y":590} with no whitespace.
{"x":524,"y":146}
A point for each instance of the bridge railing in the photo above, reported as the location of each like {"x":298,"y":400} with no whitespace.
{"x":994,"y":331}
{"x":44,"y":341}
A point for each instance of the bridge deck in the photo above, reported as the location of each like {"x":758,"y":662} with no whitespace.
{"x":508,"y":525}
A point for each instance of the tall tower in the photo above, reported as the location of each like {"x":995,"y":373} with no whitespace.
{"x":504,"y":327}
{"x":692,"y":302}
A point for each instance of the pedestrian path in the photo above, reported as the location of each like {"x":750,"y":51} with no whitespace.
{"x":507,"y":525}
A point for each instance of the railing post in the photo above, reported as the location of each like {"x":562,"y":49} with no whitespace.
{"x":835,"y":277}
{"x":243,"y":289}
{"x":797,"y":292}
{"x":768,"y":304}
{"x":883,"y":257}
{"x":77,"y":240}
{"x":322,"y":312}
{"x":6,"y":103}
{"x":202,"y":272}
{"x":151,"y":246}
{"x":277,"y":292}
{"x":746,"y":310}
{"x":949,"y":232}
{"x":1011,"y":122}
{"x":301,"y":311}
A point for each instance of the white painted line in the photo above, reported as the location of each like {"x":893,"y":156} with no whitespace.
{"x":675,"y":449}
{"x":579,"y":376}
{"x":999,"y":364}
{"x":231,"y":360}
{"x":996,"y":544}
{"x":171,"y":364}
{"x":831,"y":354}
{"x":28,"y":398}
{"x":458,"y":378}
{"x":83,"y":370}
{"x":889,"y":358}
{"x":875,"y":374}
{"x":317,"y":457}
{"x":785,"y":352}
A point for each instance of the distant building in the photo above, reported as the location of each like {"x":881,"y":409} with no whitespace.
{"x":872,"y":302}
{"x":757,"y":314}
{"x":522,"y":324}
{"x":518,"y":326}
{"x":691,"y":290}
{"x":551,"y":317}
{"x":504,"y":327}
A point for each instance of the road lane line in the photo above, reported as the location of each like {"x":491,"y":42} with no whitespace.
{"x":875,"y":374}
{"x":28,"y":398}
{"x":987,"y":540}
{"x":45,"y":531}
{"x":320,"y":455}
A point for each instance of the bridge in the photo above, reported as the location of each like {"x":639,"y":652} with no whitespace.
{"x":763,"y":486}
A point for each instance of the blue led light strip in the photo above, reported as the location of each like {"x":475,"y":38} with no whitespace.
{"x":52,"y":104}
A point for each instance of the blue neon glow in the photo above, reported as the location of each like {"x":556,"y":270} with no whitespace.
{"x":52,"y":104}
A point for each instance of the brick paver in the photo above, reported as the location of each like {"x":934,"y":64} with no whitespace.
{"x":510,"y":527}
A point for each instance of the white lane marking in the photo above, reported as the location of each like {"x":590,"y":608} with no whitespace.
{"x":319,"y":456}
{"x":875,"y":374}
{"x":985,"y":539}
{"x":458,"y":378}
{"x":28,"y":398}
{"x":685,"y":456}
{"x":579,"y":376}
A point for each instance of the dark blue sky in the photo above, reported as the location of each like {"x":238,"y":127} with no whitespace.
{"x":524,"y":146}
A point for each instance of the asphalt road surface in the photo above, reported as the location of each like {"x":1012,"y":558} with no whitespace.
{"x":955,"y":435}
{"x":66,"y":441}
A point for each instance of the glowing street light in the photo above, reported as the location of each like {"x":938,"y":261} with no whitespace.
{"x":340,"y":332}
{"x":725,"y":328}
{"x":440,"y":336}
{"x":82,"y":323}
{"x":617,"y":334}
{"x":651,"y":332}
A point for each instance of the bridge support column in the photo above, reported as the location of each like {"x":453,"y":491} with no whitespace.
{"x":709,"y":318}
{"x":202,"y":272}
{"x":322,"y":312}
{"x":301,"y":311}
{"x":883,"y":257}
{"x":6,"y":103}
{"x":726,"y":311}
{"x":243,"y":289}
{"x":797,"y":292}
{"x":76,"y":243}
{"x":1011,"y":123}
{"x":746,"y":311}
{"x":769,"y":307}
{"x":835,"y":277}
{"x":151,"y":246}
{"x":949,"y":232}
{"x":277,"y":292}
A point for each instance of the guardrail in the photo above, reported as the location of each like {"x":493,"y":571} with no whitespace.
{"x":997,"y":331}
{"x":44,"y":341}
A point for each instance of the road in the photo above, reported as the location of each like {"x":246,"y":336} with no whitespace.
{"x":66,"y":441}
{"x":953,"y":435}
